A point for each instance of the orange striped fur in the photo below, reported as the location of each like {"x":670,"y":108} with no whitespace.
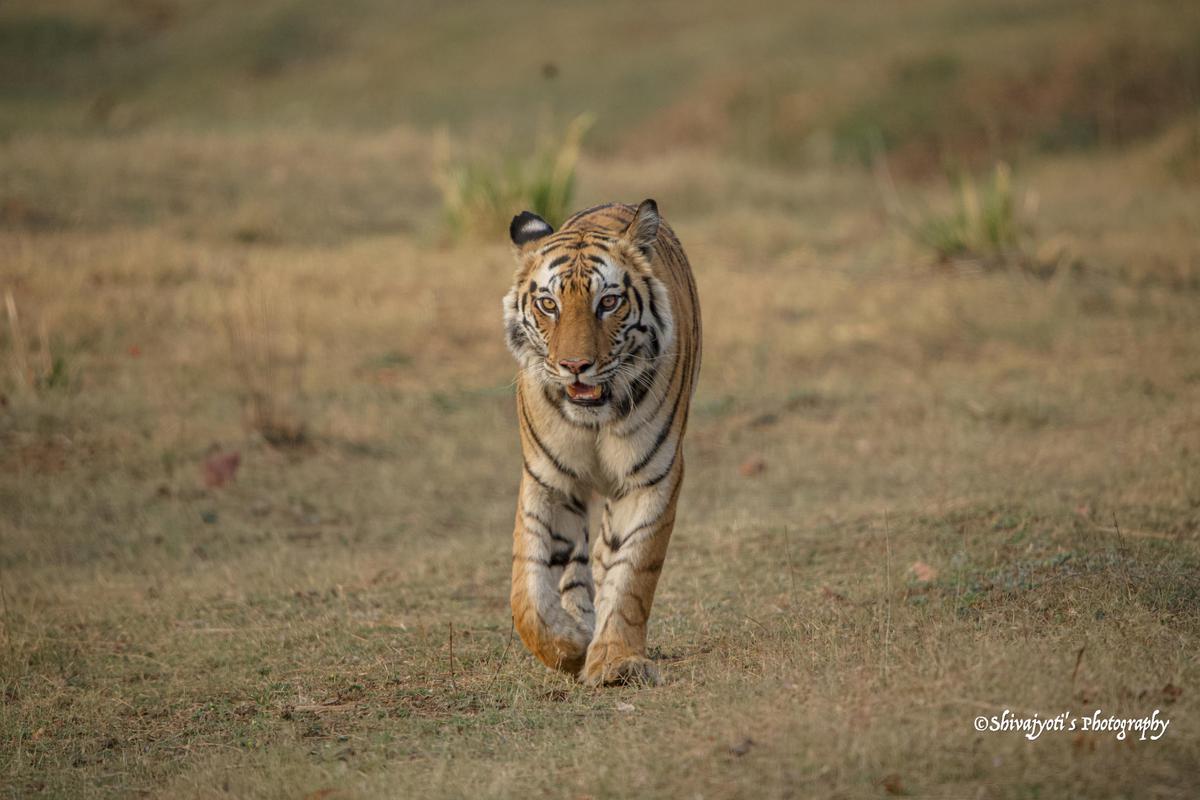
{"x":604,"y":320}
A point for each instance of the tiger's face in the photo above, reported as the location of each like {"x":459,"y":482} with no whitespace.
{"x":586,"y":319}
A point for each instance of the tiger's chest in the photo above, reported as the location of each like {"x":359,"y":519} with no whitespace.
{"x":603,"y":460}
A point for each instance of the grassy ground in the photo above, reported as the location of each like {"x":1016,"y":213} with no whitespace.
{"x":220,"y":230}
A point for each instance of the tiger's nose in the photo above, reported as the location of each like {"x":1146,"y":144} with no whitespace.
{"x":574,"y":365}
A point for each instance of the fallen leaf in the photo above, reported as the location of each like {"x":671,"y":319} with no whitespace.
{"x":625,"y":707}
{"x":221,"y":468}
{"x":1171,"y":693}
{"x":892,"y":784}
{"x":922,"y":572}
{"x":755,"y":465}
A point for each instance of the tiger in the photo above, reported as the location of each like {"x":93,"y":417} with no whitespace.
{"x":603,"y":319}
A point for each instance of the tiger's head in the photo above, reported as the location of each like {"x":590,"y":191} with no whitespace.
{"x":587,"y":318}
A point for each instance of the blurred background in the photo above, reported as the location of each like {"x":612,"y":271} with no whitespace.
{"x":258,"y":458}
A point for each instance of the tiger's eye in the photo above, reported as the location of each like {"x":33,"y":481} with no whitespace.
{"x":547,"y":305}
{"x":610,"y":302}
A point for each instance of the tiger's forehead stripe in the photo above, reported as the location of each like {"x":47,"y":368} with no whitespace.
{"x":575,"y":240}
{"x":577,"y":270}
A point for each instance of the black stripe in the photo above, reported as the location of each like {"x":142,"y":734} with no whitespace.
{"x":533,"y":335}
{"x":546,"y":529}
{"x":586,"y":212}
{"x":679,"y":359}
{"x":517,"y":338}
{"x":654,"y":305}
{"x":629,"y":536}
{"x":537,"y":440}
{"x":529,"y":515}
{"x":653,"y":481}
{"x":538,"y":480}
{"x":662,"y":437}
{"x":645,"y":612}
{"x":637,"y":392}
{"x":664,"y":474}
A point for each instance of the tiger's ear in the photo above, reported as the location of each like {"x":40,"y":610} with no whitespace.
{"x":528,"y":227}
{"x":643,"y":231}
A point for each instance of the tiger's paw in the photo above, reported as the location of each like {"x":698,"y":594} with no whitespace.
{"x":561,"y":653}
{"x":619,"y":669}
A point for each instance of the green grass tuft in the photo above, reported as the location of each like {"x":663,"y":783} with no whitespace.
{"x":982,"y":225}
{"x":480,"y":197}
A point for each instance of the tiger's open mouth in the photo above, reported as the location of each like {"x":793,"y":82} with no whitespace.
{"x":583,"y":394}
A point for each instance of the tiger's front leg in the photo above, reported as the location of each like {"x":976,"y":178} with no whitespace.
{"x":552,"y":586}
{"x":629,"y":558}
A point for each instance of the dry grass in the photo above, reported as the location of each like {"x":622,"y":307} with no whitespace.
{"x":1034,"y":442}
{"x":269,"y":355}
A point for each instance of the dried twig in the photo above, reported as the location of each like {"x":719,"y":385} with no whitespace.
{"x":512,"y":624}
{"x":887,"y":626}
{"x":787,"y":550}
{"x":453,"y":682}
{"x":1120,"y":538}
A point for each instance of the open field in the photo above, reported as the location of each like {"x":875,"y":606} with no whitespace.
{"x":221,"y":232}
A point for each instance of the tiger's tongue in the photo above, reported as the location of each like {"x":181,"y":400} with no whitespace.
{"x":581,"y":391}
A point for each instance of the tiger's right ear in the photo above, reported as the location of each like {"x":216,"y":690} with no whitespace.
{"x":528,"y":227}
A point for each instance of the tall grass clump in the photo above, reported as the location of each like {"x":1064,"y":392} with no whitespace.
{"x":982,"y":223}
{"x":33,"y":369}
{"x":986,"y":224}
{"x":480,"y":197}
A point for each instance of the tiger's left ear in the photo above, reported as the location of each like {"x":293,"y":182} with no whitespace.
{"x":643,"y":231}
